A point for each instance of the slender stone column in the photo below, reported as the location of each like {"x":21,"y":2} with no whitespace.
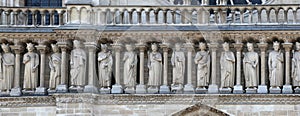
{"x":16,"y":91}
{"x":213,"y":87}
{"x":262,"y":88}
{"x":164,"y":88}
{"x":63,"y":86}
{"x":141,"y":88}
{"x":91,"y":87}
{"x":287,"y":88}
{"x":41,"y":90}
{"x":117,"y":88}
{"x":189,"y":88}
{"x":238,"y":88}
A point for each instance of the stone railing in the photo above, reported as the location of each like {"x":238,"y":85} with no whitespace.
{"x":32,"y":16}
{"x":186,"y":15}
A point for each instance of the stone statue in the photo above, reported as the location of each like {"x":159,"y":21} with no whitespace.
{"x":78,"y":66}
{"x":55,"y":65}
{"x":155,"y":67}
{"x":202,"y":60}
{"x":31,"y":61}
{"x":105,"y":63}
{"x":275,"y":63}
{"x":130,"y":66}
{"x":251,"y":67}
{"x":227,"y":62}
{"x":178,"y":63}
{"x":296,"y":66}
{"x":8,"y":62}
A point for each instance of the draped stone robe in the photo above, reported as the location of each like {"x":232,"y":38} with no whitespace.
{"x":8,"y":62}
{"x":202,"y":59}
{"x":227,"y":62}
{"x":105,"y":63}
{"x":155,"y":69}
{"x":78,"y":67}
{"x":178,"y":62}
{"x":275,"y":68}
{"x":296,"y":69}
{"x":55,"y":72}
{"x":251,"y":68}
{"x":130,"y":65}
{"x":31,"y":61}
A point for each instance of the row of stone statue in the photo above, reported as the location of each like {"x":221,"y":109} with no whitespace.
{"x":78,"y":68}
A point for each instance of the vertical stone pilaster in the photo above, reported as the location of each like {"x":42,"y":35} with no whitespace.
{"x":238,"y":88}
{"x":189,"y":88}
{"x":287,"y":88}
{"x":213,"y":87}
{"x":141,"y":88}
{"x":91,"y":87}
{"x":16,"y":90}
{"x":41,"y":90}
{"x":164,"y":88}
{"x":262,"y":88}
{"x":63,"y":86}
{"x":117,"y":88}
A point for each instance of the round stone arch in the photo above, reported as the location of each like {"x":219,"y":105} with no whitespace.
{"x":200,"y":110}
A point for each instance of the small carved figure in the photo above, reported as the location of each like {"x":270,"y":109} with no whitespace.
{"x":55,"y":65}
{"x":78,"y":66}
{"x":202,"y":60}
{"x":105,"y":63}
{"x":31,"y":61}
{"x":227,"y":62}
{"x":276,"y":66}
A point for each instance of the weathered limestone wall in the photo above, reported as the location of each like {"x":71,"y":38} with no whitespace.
{"x":28,"y":111}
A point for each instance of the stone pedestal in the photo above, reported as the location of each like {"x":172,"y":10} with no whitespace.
{"x":275,"y":90}
{"x":104,"y":90}
{"x":201,"y":90}
{"x":15,"y":92}
{"x":225,"y":90}
{"x":238,"y":89}
{"x":77,"y":89}
{"x":4,"y":94}
{"x":90,"y":89}
{"x":188,"y":89}
{"x":251,"y":90}
{"x":129,"y":90}
{"x":213,"y":89}
{"x":62,"y":89}
{"x":164,"y":89}
{"x":140,"y":89}
{"x":51,"y":92}
{"x":262,"y":89}
{"x":28,"y":92}
{"x":152,"y":90}
{"x":287,"y":89}
{"x":297,"y":90}
{"x":40,"y":91}
{"x":117,"y":89}
{"x":177,"y":89}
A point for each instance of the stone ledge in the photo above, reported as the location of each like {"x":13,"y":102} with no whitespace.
{"x":27,"y":101}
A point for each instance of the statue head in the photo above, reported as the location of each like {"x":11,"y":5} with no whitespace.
{"x":30,"y":47}
{"x":76,"y":43}
{"x":129,"y":47}
{"x":297,"y":46}
{"x":54,"y":48}
{"x":177,"y":47}
{"x":250,"y":47}
{"x":5,"y":47}
{"x":104,"y":47}
{"x":226,"y":46}
{"x":154,"y":47}
{"x":202,"y":46}
{"x":276,"y":45}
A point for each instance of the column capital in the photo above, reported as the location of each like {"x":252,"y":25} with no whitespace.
{"x":165,"y":46}
{"x":263,"y":46}
{"x":189,"y":46}
{"x":238,"y":46}
{"x":141,"y":46}
{"x":42,"y":48}
{"x":92,"y":46}
{"x":287,"y":46}
{"x":117,"y":46}
{"x":64,"y":46}
{"x":17,"y":48}
{"x":213,"y":46}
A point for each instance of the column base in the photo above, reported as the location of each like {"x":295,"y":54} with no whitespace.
{"x":188,"y":89}
{"x":287,"y":89}
{"x":275,"y":90}
{"x":177,"y":89}
{"x":201,"y":90}
{"x":90,"y":89}
{"x":117,"y":89}
{"x":297,"y":90}
{"x":51,"y":91}
{"x":251,"y":90}
{"x":76,"y":89}
{"x":213,"y":89}
{"x":40,"y":91}
{"x":262,"y":89}
{"x":28,"y":92}
{"x":238,"y":89}
{"x":152,"y":90}
{"x":4,"y":94}
{"x":129,"y":90}
{"x":140,"y":89}
{"x":164,"y":89}
{"x":15,"y":92}
{"x":61,"y":89}
{"x":225,"y":90}
{"x":104,"y":90}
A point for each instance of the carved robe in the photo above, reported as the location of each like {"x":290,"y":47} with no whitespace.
{"x":55,"y":73}
{"x":202,"y":59}
{"x":227,"y":62}
{"x":250,"y":66}
{"x":105,"y":62}
{"x":155,"y":68}
{"x":31,"y":61}
{"x":275,"y":68}
{"x":8,"y":62}
{"x":178,"y":62}
{"x":296,"y":69}
{"x":130,"y":59}
{"x":78,"y":67}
